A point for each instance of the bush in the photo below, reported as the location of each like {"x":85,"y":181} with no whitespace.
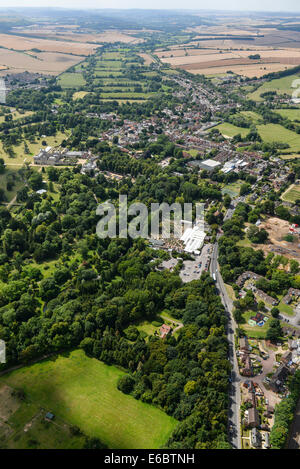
{"x":157,"y":323}
{"x":126,"y":384}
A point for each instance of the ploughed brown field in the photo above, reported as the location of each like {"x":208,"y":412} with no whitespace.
{"x":22,"y":43}
{"x":52,"y":49}
{"x":227,"y":47}
{"x":147,"y":59}
{"x":49,"y":63}
{"x":72,"y":34}
{"x":216,"y":61}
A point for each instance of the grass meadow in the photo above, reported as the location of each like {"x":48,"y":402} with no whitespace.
{"x":83,"y":391}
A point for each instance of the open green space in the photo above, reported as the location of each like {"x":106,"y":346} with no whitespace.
{"x":271,"y":133}
{"x":251,"y":115}
{"x":292,"y":114}
{"x":71,"y":80}
{"x":292,"y":193}
{"x":111,"y":55}
{"x":286,"y":309}
{"x":15,"y":114}
{"x":106,"y":73}
{"x":126,"y":95}
{"x":229,"y":130}
{"x":246,"y":243}
{"x":280,"y":85}
{"x":83,"y":392}
{"x":232,"y":189}
{"x":256,"y":332}
{"x":111,"y":64}
{"x":80,"y":94}
{"x":148,"y":328}
{"x":20,"y":157}
{"x":23,"y":426}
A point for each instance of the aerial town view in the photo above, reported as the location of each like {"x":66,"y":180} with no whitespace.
{"x":150,"y":227}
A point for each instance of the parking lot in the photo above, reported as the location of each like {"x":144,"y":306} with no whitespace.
{"x":170,"y":264}
{"x":192,"y":270}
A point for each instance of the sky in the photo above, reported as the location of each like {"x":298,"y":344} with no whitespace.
{"x":248,"y":5}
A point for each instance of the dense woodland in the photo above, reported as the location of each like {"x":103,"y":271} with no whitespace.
{"x":63,"y":287}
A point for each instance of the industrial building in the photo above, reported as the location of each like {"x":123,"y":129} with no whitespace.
{"x":193,"y":239}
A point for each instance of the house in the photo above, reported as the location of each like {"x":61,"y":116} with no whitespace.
{"x":244,"y":344}
{"x":267,"y":440}
{"x":165,"y":331}
{"x":255,"y":438}
{"x":286,"y":357}
{"x":267,"y":298}
{"x":253,"y":417}
{"x":279,"y":377}
{"x":245,"y":276}
{"x":269,"y":412}
{"x":251,"y":398}
{"x":247,"y":370}
{"x":292,"y":294}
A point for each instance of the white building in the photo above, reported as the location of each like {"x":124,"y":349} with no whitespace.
{"x":209,"y":165}
{"x":193,"y":239}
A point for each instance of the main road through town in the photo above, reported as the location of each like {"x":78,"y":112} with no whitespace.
{"x":234,"y":388}
{"x":234,"y":428}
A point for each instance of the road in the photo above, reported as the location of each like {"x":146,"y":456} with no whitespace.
{"x":234,"y":394}
{"x":179,"y":324}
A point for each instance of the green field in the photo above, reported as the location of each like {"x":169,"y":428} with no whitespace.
{"x":83,"y":391}
{"x":292,"y":114}
{"x":23,"y":426}
{"x":111,"y":55}
{"x":286,"y":309}
{"x":232,"y":189}
{"x":15,"y":114}
{"x":256,"y":332}
{"x":109,"y":64}
{"x":71,"y":80}
{"x":253,"y":116}
{"x":229,"y":130}
{"x":126,"y":95}
{"x":21,"y":157}
{"x":292,"y":194}
{"x":80,"y":94}
{"x":106,"y":73}
{"x":271,"y":133}
{"x":280,"y":85}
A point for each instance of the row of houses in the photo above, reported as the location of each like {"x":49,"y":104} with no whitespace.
{"x":292,"y":295}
